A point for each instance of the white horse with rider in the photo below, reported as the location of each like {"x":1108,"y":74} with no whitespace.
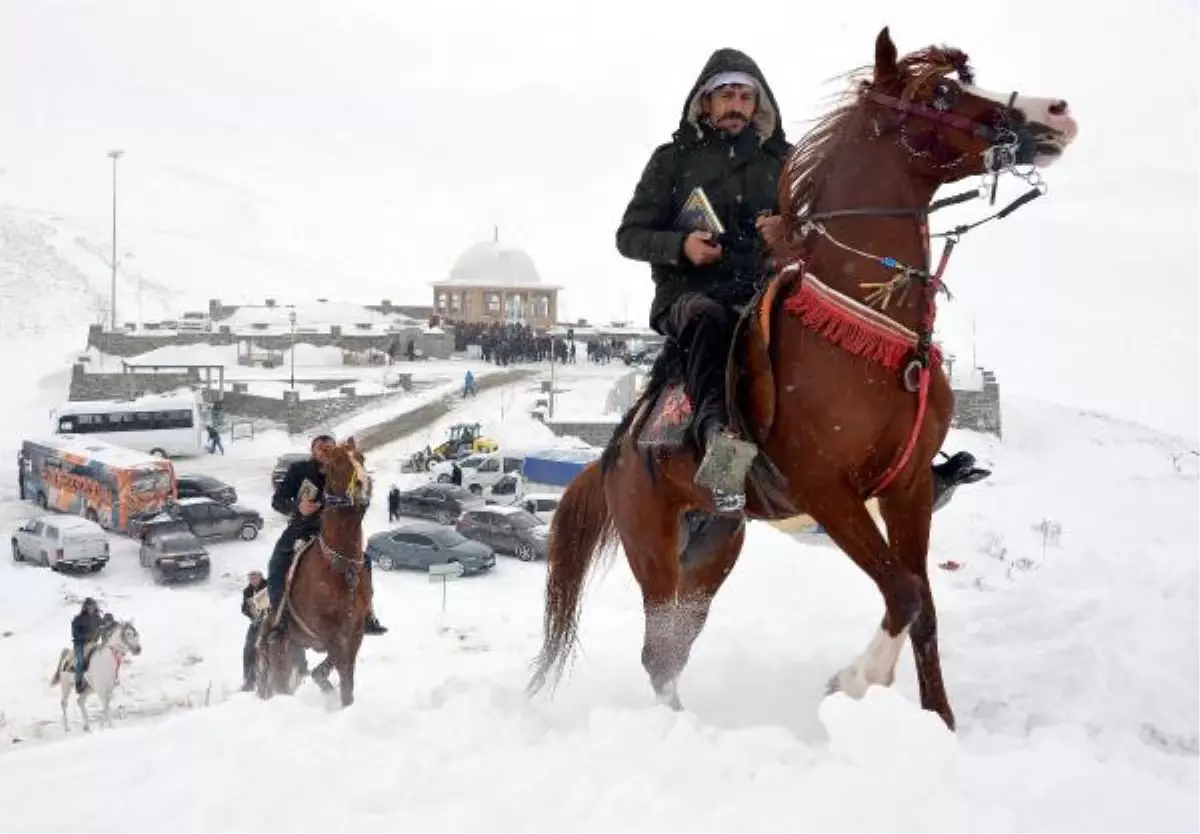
{"x":102,"y":673}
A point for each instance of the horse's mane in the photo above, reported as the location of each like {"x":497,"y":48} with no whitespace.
{"x":811,"y":156}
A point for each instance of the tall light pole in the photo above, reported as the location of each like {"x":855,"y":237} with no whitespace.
{"x":112,"y":303}
{"x":292,"y":321}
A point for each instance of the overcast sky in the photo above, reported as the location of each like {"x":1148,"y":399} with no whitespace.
{"x":354,"y":148}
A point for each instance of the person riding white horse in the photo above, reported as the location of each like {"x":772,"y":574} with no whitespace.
{"x":102,"y":672}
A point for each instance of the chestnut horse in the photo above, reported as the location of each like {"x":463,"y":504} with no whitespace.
{"x":844,"y":401}
{"x":329,"y":593}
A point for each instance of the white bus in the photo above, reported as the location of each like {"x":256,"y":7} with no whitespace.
{"x":167,"y":425}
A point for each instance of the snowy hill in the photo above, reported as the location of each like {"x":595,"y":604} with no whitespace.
{"x":293,"y":147}
{"x":1068,"y":638}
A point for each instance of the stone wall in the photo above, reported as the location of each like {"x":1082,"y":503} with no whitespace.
{"x":593,"y":432}
{"x":218,"y":311}
{"x":432,"y":345}
{"x":89,"y":386}
{"x":976,"y":410}
{"x":979,"y":410}
{"x":296,"y":414}
{"x":623,"y":394}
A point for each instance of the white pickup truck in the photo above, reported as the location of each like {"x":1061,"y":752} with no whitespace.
{"x":63,"y":542}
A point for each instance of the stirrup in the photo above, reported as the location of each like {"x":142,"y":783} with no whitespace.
{"x":729,"y":502}
{"x":726,"y":464}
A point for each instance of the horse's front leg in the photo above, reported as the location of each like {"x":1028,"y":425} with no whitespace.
{"x":345,"y":666}
{"x":66,"y":696}
{"x":105,"y":711}
{"x":81,"y":700}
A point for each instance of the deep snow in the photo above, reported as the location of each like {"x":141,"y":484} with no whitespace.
{"x":1072,"y":666}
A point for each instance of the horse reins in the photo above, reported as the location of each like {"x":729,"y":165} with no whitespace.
{"x":999,"y":157}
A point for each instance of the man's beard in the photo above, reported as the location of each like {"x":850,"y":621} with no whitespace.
{"x":731,"y":121}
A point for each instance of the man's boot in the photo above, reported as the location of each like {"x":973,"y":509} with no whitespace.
{"x":373,"y":625}
{"x":271,"y":630}
{"x":727,"y":460}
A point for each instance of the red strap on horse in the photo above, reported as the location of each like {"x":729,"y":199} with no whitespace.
{"x":931,"y":288}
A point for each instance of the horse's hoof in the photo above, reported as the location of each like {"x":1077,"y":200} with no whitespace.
{"x":668,"y":696}
{"x":849,"y":682}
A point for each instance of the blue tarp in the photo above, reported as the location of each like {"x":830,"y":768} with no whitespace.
{"x":557,"y":467}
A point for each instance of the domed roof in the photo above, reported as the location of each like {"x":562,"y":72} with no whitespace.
{"x":492,"y":264}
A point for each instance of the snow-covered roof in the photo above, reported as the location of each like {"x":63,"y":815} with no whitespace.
{"x":493,"y":264}
{"x":87,"y":447}
{"x":183,"y":399}
{"x":573,"y":455}
{"x":319,"y":314}
{"x":71,"y":522}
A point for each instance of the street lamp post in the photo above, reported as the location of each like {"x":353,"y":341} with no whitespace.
{"x":292,"y":321}
{"x":112,"y":303}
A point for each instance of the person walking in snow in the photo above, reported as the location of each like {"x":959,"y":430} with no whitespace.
{"x":254,"y":583}
{"x":393,"y":504}
{"x":214,"y":440}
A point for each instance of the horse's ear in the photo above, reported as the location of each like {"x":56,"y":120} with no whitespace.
{"x":885,"y":57}
{"x":350,"y":444}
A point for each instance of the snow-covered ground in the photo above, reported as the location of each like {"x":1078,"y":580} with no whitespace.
{"x":1068,"y":600}
{"x":1071,"y":658}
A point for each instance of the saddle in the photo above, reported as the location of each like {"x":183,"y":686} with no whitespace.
{"x":284,"y":615}
{"x":664,"y":421}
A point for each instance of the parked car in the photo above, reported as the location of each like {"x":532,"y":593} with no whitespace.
{"x":507,"y":490}
{"x":205,"y":486}
{"x":423,"y":543}
{"x":507,"y":530}
{"x":203,"y":518}
{"x":175,"y":557}
{"x":443,"y":469}
{"x":490,"y":471}
{"x":282,"y":463}
{"x":541,"y":504}
{"x":443,"y":503}
{"x":61,"y":543}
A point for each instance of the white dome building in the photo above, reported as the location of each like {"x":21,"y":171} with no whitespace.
{"x":491,"y":282}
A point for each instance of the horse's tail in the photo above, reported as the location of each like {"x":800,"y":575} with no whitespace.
{"x":58,"y":669}
{"x":582,"y":528}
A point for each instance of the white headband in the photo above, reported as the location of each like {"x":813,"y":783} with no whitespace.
{"x":722,"y":79}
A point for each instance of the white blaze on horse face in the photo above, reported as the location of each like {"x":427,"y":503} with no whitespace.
{"x":1054,"y":126}
{"x":362,"y":481}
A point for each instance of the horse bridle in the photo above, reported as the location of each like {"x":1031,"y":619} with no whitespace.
{"x":352,"y":498}
{"x":1003,"y":141}
{"x":999,"y":157}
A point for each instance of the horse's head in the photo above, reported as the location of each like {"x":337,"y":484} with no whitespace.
{"x":346,"y":480}
{"x":953,"y":129}
{"x":124,"y":637}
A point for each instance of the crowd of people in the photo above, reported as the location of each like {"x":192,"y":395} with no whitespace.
{"x":513,"y":343}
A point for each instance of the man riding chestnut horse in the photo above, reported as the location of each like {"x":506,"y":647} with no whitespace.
{"x":730,"y":144}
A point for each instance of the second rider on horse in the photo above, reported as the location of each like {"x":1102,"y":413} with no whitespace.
{"x":304,"y":523}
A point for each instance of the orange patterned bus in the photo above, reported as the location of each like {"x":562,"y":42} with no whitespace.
{"x":105,"y":483}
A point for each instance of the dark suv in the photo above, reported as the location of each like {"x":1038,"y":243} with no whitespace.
{"x":507,"y":530}
{"x":441,"y":502}
{"x":282,"y":463}
{"x":205,"y":486}
{"x":203,"y":518}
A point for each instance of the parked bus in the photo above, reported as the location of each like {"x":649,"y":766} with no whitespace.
{"x":107,"y":484}
{"x":166,"y":425}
